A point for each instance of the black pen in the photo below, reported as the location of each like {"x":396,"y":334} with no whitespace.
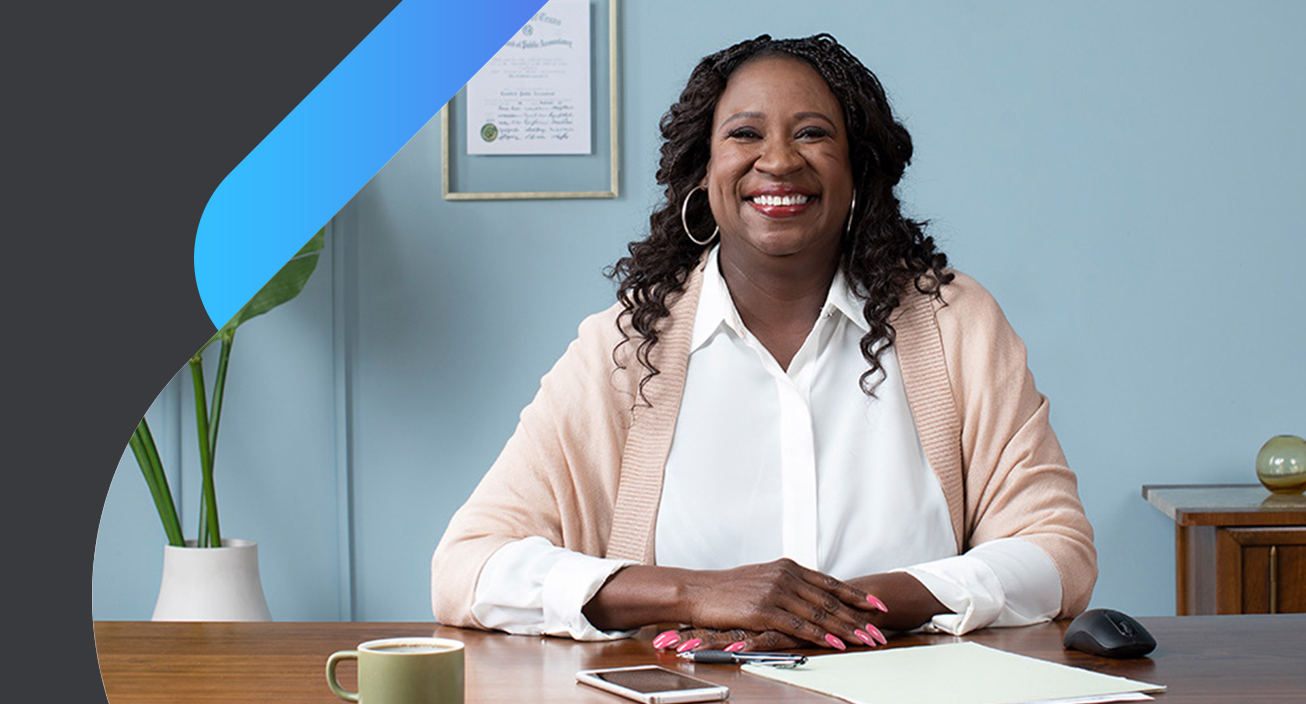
{"x":721,"y":657}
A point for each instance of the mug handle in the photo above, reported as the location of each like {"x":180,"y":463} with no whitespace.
{"x":334,"y":660}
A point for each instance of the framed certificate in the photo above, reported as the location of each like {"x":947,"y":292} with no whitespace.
{"x":540,"y":119}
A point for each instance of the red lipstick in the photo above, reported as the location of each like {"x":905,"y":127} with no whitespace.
{"x":780,"y":200}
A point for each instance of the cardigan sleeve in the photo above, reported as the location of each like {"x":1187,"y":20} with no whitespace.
{"x":1016,"y":480}
{"x":556,"y":477}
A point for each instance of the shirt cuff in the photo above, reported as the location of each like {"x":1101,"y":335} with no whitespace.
{"x":533,"y":587}
{"x":569,"y":586}
{"x":1004,"y":582}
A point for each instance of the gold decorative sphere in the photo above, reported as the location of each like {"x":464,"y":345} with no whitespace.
{"x":1281,"y":464}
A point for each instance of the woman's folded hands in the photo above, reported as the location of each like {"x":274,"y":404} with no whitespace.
{"x":769,"y":606}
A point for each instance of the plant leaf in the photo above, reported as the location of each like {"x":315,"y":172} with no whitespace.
{"x":147,"y":456}
{"x":282,"y":287}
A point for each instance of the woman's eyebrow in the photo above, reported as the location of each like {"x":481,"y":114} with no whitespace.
{"x":744,"y":115}
{"x":817,"y":115}
{"x":754,"y":115}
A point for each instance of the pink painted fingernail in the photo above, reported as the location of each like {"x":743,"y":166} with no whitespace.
{"x":666,"y":639}
{"x":877,"y":603}
{"x":835,"y":642}
{"x":734,"y":647}
{"x":689,"y":645}
{"x":863,"y":637}
{"x":876,"y":634}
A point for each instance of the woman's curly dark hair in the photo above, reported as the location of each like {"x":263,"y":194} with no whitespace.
{"x":881,"y":253}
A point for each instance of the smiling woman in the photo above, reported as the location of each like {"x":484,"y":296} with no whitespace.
{"x":780,"y":187}
{"x":807,"y":433}
{"x":779,"y":146}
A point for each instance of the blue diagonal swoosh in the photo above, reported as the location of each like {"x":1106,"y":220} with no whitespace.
{"x":342,"y":133}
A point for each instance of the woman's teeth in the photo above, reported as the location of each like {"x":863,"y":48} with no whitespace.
{"x":781,"y":200}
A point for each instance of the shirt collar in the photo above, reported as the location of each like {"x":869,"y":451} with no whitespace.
{"x":842,"y":299}
{"x":716,"y":309}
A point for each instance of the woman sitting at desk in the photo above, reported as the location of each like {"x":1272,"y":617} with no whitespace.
{"x":805,"y":432}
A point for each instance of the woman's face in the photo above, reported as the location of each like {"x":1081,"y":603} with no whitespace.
{"x":779,"y":178}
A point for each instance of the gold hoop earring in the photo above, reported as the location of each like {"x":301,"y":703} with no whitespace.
{"x":852,"y":209}
{"x":684,"y":220}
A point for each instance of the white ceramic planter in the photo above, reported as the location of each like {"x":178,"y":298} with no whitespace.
{"x":211,"y":584}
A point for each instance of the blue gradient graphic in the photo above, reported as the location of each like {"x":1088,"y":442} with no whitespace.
{"x":342,"y":133}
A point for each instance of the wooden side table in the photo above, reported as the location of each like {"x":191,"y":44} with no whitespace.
{"x":1238,"y":548}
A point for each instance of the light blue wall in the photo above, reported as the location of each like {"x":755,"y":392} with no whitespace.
{"x":1125,"y":177}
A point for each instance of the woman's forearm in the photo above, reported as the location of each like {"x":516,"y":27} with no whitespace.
{"x":640,"y":595}
{"x":910,"y":603}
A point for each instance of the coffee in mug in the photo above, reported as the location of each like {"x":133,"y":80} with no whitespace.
{"x":411,"y":670}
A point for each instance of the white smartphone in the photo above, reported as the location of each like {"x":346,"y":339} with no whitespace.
{"x":653,"y":685}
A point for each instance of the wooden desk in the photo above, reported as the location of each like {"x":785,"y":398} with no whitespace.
{"x":1238,"y":548}
{"x":1202,"y":659}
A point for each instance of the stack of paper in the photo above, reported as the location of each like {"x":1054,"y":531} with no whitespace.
{"x":955,"y":673}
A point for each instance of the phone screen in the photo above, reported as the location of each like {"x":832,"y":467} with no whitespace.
{"x":647,"y":681}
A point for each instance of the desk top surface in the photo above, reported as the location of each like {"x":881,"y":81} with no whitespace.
{"x":1200,"y":658}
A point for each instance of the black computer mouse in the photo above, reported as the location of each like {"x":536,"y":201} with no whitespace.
{"x":1109,"y":633}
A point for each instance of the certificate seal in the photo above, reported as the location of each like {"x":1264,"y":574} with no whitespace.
{"x":489,"y":132}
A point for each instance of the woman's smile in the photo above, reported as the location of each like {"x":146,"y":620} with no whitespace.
{"x":780,"y":201}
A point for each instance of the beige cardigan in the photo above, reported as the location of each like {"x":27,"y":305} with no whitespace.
{"x":584,"y":467}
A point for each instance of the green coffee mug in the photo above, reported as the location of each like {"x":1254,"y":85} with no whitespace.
{"x":403,"y":671}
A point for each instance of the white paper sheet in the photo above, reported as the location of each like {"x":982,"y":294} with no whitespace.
{"x":953,"y":673}
{"x":533,"y":97}
{"x":1103,"y":699}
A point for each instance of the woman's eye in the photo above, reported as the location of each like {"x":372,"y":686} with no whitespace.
{"x":813,"y":133}
{"x":744,"y":133}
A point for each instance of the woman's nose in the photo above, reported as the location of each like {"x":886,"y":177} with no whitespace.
{"x":778,"y":158}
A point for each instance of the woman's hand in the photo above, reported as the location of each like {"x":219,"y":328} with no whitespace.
{"x":781,"y":597}
{"x":913,"y":606}
{"x":740,"y":641}
{"x":735,"y":640}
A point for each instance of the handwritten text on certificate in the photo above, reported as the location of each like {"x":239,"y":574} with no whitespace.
{"x":533,"y":97}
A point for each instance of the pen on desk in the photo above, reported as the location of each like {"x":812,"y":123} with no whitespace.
{"x":721,"y":657}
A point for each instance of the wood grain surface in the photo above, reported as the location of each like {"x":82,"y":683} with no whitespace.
{"x":1200,"y":658}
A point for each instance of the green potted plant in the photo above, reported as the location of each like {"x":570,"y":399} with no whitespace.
{"x":212,"y":578}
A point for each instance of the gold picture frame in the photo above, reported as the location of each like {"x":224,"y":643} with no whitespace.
{"x":447,"y":141}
